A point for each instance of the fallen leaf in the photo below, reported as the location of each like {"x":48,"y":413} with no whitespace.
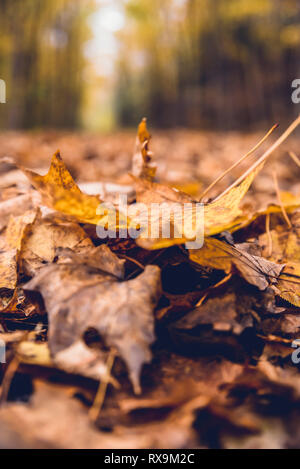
{"x":47,"y":234}
{"x":18,"y":229}
{"x":215,"y":328}
{"x":60,"y":192}
{"x":290,"y":203}
{"x":16,"y":206}
{"x":221,"y":255}
{"x":233,"y":298}
{"x":282,"y":244}
{"x":34,"y":425}
{"x":8,"y":269}
{"x":218,"y":216}
{"x":11,"y":246}
{"x":82,"y":293}
{"x":288,"y":284}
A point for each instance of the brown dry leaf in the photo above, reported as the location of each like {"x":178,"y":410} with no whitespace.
{"x":8,"y":278}
{"x":11,"y":246}
{"x":216,"y":327}
{"x":34,"y":425}
{"x":47,"y":234}
{"x":204,"y":391}
{"x":171,"y":398}
{"x":8,"y":269}
{"x":60,"y":192}
{"x":188,"y":401}
{"x":282,"y":245}
{"x":227,"y":321}
{"x":274,"y":393}
{"x":266,"y":378}
{"x":14,"y":184}
{"x":223,"y":256}
{"x":19,"y":228}
{"x":290,"y":203}
{"x":180,"y":379}
{"x":288,"y":285}
{"x":16,"y":206}
{"x":82,"y":292}
{"x":281,"y":326}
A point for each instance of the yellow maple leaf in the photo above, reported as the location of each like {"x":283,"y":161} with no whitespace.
{"x":60,"y":192}
{"x":221,"y":214}
{"x":218,"y":216}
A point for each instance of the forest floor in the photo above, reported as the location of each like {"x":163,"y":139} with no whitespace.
{"x":198,"y":351}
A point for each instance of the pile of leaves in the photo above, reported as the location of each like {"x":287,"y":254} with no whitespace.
{"x":145,"y":343}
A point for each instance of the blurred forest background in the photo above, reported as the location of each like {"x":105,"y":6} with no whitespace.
{"x":102,"y":64}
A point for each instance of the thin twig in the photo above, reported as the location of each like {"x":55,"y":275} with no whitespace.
{"x":203,"y":298}
{"x":263,"y":158}
{"x":7,"y":380}
{"x":294,"y":158}
{"x":243,"y":158}
{"x":201,"y":301}
{"x":101,"y":393}
{"x":270,"y":241}
{"x":3,"y":325}
{"x":280,"y":201}
{"x":134,"y":261}
{"x":158,"y":254}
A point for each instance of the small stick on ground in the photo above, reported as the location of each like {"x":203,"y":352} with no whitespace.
{"x":95,"y":410}
{"x":280,"y":201}
{"x":141,"y":266}
{"x":134,"y":261}
{"x":270,"y":241}
{"x":7,"y":380}
{"x":294,"y":158}
{"x":3,"y":326}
